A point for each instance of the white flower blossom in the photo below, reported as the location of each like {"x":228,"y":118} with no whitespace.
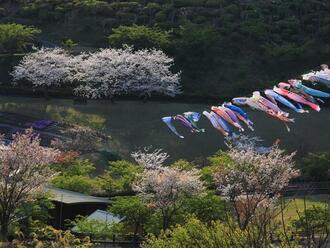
{"x":24,"y":169}
{"x":150,"y":160}
{"x":112,"y":71}
{"x":101,"y":74}
{"x":255,"y":173}
{"x":252,"y":180}
{"x":165,"y":186}
{"x":46,"y":67}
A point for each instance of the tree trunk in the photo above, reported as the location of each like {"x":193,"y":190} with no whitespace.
{"x":80,"y":100}
{"x":165,"y":219}
{"x":46,"y":93}
{"x":136,"y":229}
{"x":145,"y":98}
{"x":4,"y":230}
{"x":112,"y":99}
{"x":165,"y":223}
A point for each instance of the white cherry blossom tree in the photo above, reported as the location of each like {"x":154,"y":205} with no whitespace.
{"x":45,"y":68}
{"x":110,"y":72}
{"x":150,"y":159}
{"x":165,"y":188}
{"x":252,"y":180}
{"x":101,"y":74}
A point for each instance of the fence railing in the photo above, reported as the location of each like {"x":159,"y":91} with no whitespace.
{"x":307,"y":188}
{"x":110,"y":244}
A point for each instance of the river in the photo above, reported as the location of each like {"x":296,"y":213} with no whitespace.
{"x":134,"y":124}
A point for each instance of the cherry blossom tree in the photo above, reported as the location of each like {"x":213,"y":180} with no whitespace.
{"x":252,"y":180}
{"x":165,"y":188}
{"x":148,"y":159}
{"x":247,"y":142}
{"x":45,"y":68}
{"x":23,"y":171}
{"x":101,"y":74}
{"x":110,"y":72}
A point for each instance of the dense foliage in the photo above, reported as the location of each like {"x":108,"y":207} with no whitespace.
{"x":32,"y":215}
{"x":16,"y":37}
{"x":314,"y":224}
{"x":139,"y":37}
{"x":96,"y":229}
{"x":315,"y":167}
{"x":53,"y":238}
{"x":119,"y":177}
{"x":222,"y":46}
{"x":75,"y":175}
{"x":135,"y":211}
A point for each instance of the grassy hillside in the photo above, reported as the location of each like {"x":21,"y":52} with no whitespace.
{"x":223,"y":47}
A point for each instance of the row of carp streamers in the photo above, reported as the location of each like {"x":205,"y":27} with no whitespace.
{"x":293,"y":94}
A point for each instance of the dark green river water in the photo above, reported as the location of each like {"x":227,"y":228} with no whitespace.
{"x":133,"y":125}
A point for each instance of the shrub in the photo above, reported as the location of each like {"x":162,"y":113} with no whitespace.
{"x":16,"y":37}
{"x":139,"y":37}
{"x":316,"y":167}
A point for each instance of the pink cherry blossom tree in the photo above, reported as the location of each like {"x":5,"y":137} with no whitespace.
{"x":23,"y":171}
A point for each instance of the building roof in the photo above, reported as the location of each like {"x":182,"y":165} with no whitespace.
{"x":71,"y":197}
{"x":103,"y":216}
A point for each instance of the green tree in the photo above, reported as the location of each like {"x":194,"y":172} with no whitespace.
{"x":96,"y":229}
{"x":33,"y":215}
{"x":50,"y":237}
{"x":82,"y":184}
{"x":118,"y":177}
{"x":68,"y":44}
{"x":15,"y":37}
{"x":316,"y":167}
{"x":314,"y":224}
{"x":183,"y":165}
{"x":197,"y":234}
{"x":139,"y":36}
{"x":134,"y":211}
{"x":195,"y":40}
{"x":75,"y":167}
{"x":208,"y":171}
{"x":207,"y":207}
{"x":207,"y":176}
{"x":75,"y":175}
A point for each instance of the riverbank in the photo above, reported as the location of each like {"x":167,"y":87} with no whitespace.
{"x":12,"y":91}
{"x":66,"y":93}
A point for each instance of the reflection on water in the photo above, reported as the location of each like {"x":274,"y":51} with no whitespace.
{"x":133,"y":125}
